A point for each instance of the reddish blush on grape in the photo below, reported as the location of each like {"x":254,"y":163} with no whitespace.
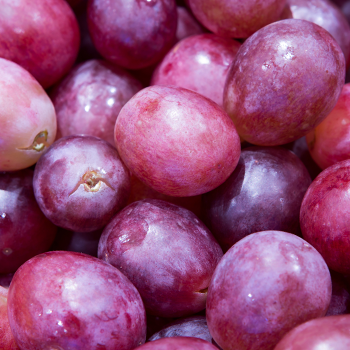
{"x":166,"y":252}
{"x":236,"y":18}
{"x":199,"y":63}
{"x":276,"y":90}
{"x":325,"y":216}
{"x":80,"y":183}
{"x":7,"y":339}
{"x":66,"y":300}
{"x":329,"y":142}
{"x":27,"y":118}
{"x":265,"y":285}
{"x":322,"y":333}
{"x":24,"y":229}
{"x":132,"y":34}
{"x":327,"y":15}
{"x":176,"y":141}
{"x":90,"y":98}
{"x":42,"y":36}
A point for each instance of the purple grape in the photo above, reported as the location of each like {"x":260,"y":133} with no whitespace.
{"x":80,"y":183}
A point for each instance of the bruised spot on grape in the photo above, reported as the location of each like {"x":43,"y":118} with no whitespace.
{"x":203,"y":291}
{"x":92,"y":182}
{"x":39,"y":143}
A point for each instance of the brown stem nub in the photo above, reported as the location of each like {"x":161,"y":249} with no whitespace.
{"x":39,"y":143}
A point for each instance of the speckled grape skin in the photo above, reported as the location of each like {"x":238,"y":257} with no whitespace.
{"x":199,"y":63}
{"x":263,"y":193}
{"x":265,"y":285}
{"x":166,"y":252}
{"x":24,"y":229}
{"x":323,"y":333}
{"x":328,"y":16}
{"x":285,"y":79}
{"x":66,"y":300}
{"x":176,"y":141}
{"x":59,"y":186}
{"x":26,"y":110}
{"x":325,"y":216}
{"x":132,"y":33}
{"x":329,"y":142}
{"x":178,"y":343}
{"x":40,"y":35}
{"x":7,"y":340}
{"x":195,"y":326}
{"x":90,"y":98}
{"x":235,"y":18}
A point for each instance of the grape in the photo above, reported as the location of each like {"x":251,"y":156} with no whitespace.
{"x":265,"y":285}
{"x":178,"y":343}
{"x":276,"y":91}
{"x":90,"y":98}
{"x":176,"y":141}
{"x":24,"y":230}
{"x":199,"y":63}
{"x":166,"y":252}
{"x":40,"y":35}
{"x":66,"y":300}
{"x":27,"y":118}
{"x":80,"y":183}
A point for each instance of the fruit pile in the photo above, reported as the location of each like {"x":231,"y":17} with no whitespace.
{"x":174,"y":176}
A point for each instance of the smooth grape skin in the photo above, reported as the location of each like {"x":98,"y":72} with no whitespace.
{"x":80,"y":183}
{"x":285,"y":79}
{"x":264,"y":192}
{"x":265,"y":285}
{"x":195,"y":326}
{"x":40,"y":35}
{"x":26,"y":113}
{"x":329,"y":142}
{"x":6,"y":337}
{"x":328,"y":16}
{"x":325,"y":216}
{"x":199,"y":63}
{"x":66,"y":300}
{"x":236,"y":18}
{"x":132,"y":33}
{"x":90,"y":98}
{"x":166,"y":252}
{"x":323,"y":333}
{"x":24,"y":229}
{"x":178,"y":343}
{"x":176,"y":141}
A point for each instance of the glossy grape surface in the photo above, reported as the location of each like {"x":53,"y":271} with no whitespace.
{"x":263,"y":193}
{"x":325,"y":216}
{"x":265,"y":285}
{"x":166,"y":252}
{"x":199,"y":63}
{"x":176,"y":141}
{"x":284,"y":81}
{"x":24,"y":229}
{"x":66,"y":300}
{"x":80,"y":183}
{"x":42,"y":36}
{"x":90,"y":98}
